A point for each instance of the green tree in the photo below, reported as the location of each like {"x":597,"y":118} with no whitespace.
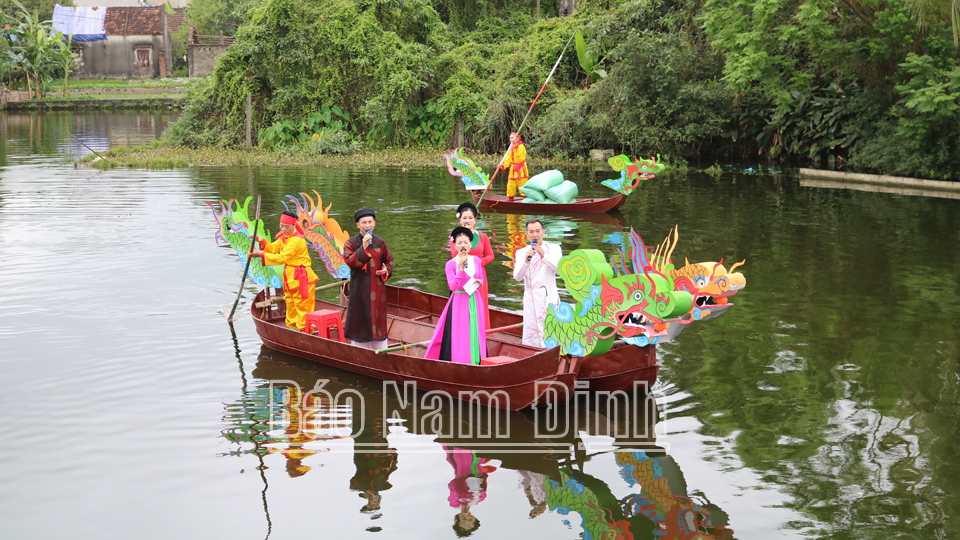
{"x":214,"y":16}
{"x":36,"y":49}
{"x":42,"y":8}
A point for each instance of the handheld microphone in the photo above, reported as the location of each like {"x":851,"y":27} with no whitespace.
{"x":366,"y":232}
{"x":465,"y":261}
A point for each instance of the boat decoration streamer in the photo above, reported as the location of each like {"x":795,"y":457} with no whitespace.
{"x":461,"y":166}
{"x":632,"y":173}
{"x":235,"y":230}
{"x":638,"y":296}
{"x":322,"y":232}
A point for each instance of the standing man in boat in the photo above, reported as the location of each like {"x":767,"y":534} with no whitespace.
{"x":516,"y":164}
{"x":290,"y":250}
{"x":371,"y":264}
{"x":536,"y":267}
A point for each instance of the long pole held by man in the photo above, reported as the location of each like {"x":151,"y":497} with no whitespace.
{"x":253,"y":241}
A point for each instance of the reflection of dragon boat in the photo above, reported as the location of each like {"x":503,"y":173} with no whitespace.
{"x":551,"y":466}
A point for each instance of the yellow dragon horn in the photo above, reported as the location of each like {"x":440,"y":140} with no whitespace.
{"x":307,"y":197}
{"x":736,"y":265}
{"x":676,"y":236}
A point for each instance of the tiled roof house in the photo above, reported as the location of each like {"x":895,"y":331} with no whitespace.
{"x":175,"y":21}
{"x":137,"y":45}
{"x":134,"y":21}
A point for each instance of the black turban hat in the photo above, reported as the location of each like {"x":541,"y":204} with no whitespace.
{"x":461,"y":231}
{"x":364,"y":212}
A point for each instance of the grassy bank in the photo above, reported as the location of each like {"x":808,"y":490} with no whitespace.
{"x":139,"y":102}
{"x":53,"y":86}
{"x":160,"y":155}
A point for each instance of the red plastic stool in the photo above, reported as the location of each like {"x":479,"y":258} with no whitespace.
{"x":496,"y":360}
{"x":327,"y":322}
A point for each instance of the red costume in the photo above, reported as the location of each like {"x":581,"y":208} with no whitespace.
{"x":367,"y":307}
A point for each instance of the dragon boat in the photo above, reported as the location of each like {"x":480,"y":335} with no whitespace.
{"x":503,"y":203}
{"x":624,"y":306}
{"x":514,"y":376}
{"x":633,"y":173}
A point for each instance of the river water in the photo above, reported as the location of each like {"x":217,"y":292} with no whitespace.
{"x":823,"y":404}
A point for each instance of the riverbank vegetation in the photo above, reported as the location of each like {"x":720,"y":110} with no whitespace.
{"x":870,"y":85}
{"x":163,"y":155}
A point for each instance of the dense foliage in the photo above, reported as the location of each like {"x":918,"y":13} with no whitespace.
{"x":43,"y":9}
{"x":872,"y":84}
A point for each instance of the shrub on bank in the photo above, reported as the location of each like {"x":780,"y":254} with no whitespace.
{"x":809,"y":81}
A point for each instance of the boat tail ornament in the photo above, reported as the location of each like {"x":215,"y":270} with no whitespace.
{"x":322,"y":232}
{"x":461,"y":166}
{"x":637,"y":296}
{"x":632,"y":173}
{"x":236,"y":230}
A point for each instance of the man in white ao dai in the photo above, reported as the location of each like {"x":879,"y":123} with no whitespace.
{"x":536,"y":267}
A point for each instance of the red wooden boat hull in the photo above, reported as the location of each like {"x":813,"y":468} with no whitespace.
{"x":515,"y":386}
{"x":617,"y":369}
{"x":503,"y":203}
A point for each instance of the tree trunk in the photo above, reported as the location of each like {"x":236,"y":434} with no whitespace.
{"x":26,"y":74}
{"x":66,"y":75}
{"x":36,"y":84}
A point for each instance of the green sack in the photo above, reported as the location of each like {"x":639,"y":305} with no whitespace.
{"x":545,"y":180}
{"x":533,"y":193}
{"x":564,"y":193}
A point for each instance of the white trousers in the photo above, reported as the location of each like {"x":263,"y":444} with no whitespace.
{"x":374,"y":345}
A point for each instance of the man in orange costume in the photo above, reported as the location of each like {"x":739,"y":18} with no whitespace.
{"x":290,"y":250}
{"x":516,"y":164}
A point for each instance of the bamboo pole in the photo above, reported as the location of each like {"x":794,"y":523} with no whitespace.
{"x":427,"y":342}
{"x":256,"y":223}
{"x":278,"y":299}
{"x":532,"y":105}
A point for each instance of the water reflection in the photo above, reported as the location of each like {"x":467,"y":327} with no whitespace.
{"x":41,"y":133}
{"x":280,"y":421}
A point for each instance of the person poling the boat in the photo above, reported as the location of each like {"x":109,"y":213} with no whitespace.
{"x":290,"y":249}
{"x":461,"y":333}
{"x":516,"y":164}
{"x":371,"y":264}
{"x":480,"y":247}
{"x":536,"y":267}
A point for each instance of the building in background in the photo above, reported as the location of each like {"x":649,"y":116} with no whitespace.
{"x":203,"y":52}
{"x":137,"y":45}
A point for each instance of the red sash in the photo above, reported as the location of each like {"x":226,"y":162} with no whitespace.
{"x":300,"y":273}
